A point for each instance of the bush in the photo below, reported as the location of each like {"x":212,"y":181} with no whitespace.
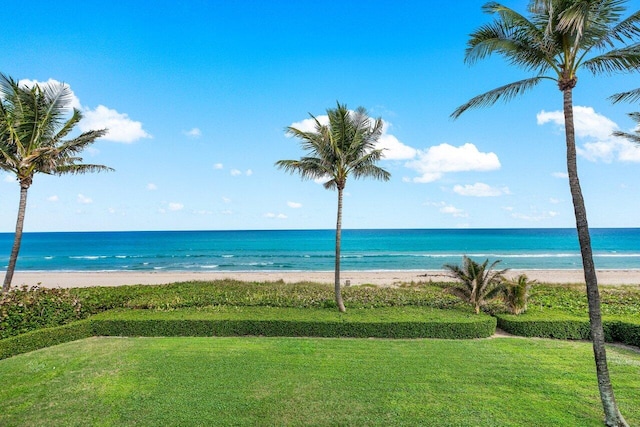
{"x":555,"y":324}
{"x":558,"y":325}
{"x":625,"y":331}
{"x":46,"y":337}
{"x":267,"y":321}
{"x":516,"y":293}
{"x":25,"y":309}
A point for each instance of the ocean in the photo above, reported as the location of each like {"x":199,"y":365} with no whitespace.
{"x":313,"y":250}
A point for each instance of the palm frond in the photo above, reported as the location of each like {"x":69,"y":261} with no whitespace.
{"x":512,"y":36}
{"x":505,"y":93}
{"x":617,"y":60}
{"x":627,"y":29}
{"x":630,"y":96}
{"x":635,"y":138}
{"x":81,"y":168}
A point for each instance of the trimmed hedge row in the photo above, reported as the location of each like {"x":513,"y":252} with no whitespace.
{"x":225,"y":323}
{"x":47,"y":337}
{"x":269,"y":321}
{"x":562,"y":326}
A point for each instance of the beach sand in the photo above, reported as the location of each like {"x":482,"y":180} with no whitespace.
{"x":380,"y":278}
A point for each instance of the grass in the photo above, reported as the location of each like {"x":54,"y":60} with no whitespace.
{"x":301,"y":381}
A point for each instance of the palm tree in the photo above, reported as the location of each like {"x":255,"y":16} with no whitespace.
{"x":345,"y":146}
{"x":516,"y":293}
{"x":478,"y":283}
{"x":33,"y":124}
{"x":561,"y":38}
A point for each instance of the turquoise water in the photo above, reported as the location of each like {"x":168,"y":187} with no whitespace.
{"x":313,"y":250}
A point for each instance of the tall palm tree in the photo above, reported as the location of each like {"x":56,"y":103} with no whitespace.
{"x":346,"y":146}
{"x":34,"y":122}
{"x":560,"y":38}
{"x":479,"y":283}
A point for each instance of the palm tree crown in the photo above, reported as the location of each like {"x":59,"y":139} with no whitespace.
{"x":478,"y":283}
{"x":561,"y":37}
{"x":345,"y":146}
{"x":34,"y":122}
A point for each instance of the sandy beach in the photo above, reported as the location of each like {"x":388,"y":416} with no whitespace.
{"x":380,"y":278}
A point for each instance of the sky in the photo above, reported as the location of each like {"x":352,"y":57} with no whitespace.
{"x":197,"y":96}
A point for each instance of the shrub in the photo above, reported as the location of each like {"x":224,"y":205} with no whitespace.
{"x":266,"y":321}
{"x":46,"y":337}
{"x":551,"y":325}
{"x":516,"y":293}
{"x":478,"y":284}
{"x":27,"y":308}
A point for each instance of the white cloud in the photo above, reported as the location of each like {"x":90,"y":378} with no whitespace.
{"x":628,"y":151}
{"x":82,"y":199}
{"x":53,"y":198}
{"x":449,"y":209}
{"x":226,"y":200}
{"x":9,"y":178}
{"x":151,"y":186}
{"x":562,"y":175}
{"x":276,"y":216}
{"x":227,"y":212}
{"x":587,"y":122}
{"x":193,"y":133}
{"x":393,"y":148}
{"x":535,"y":216}
{"x":236,"y":172}
{"x":174,"y":206}
{"x":249,"y":172}
{"x":480,"y":189}
{"x":440,"y":159}
{"x":597,"y":129}
{"x":121,"y":127}
{"x":218,"y":166}
{"x":294,"y":205}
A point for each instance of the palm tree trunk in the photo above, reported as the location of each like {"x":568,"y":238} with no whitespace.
{"x":338,"y":293}
{"x":24,"y":187}
{"x":613,"y":417}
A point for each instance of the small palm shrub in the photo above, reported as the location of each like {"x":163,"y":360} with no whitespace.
{"x":477,"y":283}
{"x":516,"y":293}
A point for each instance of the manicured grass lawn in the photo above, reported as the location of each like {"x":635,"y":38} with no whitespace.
{"x":303,"y":381}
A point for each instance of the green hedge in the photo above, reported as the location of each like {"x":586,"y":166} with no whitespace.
{"x":550,"y":324}
{"x":409,"y":322}
{"x":47,"y":337}
{"x":269,"y":321}
{"x":625,"y":331}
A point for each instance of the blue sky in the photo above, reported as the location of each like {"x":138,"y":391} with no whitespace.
{"x":197,"y":95}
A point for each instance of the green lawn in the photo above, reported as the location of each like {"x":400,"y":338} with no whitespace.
{"x":303,"y":381}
